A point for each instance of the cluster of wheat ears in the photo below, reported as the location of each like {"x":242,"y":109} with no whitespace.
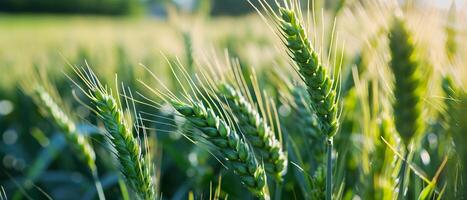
{"x":239,"y":123}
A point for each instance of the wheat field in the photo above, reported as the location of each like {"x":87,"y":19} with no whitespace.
{"x":365,"y":100}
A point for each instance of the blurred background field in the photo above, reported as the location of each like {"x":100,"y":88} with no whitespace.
{"x":47,"y":38}
{"x":117,"y":36}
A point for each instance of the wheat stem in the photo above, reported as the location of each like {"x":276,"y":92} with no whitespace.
{"x":403,"y":174}
{"x":329,"y":170}
{"x":97,"y":183}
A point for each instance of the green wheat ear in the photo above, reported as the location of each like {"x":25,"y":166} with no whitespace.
{"x":135,"y":166}
{"x":229,"y":143}
{"x":78,"y":142}
{"x":407,"y":86}
{"x":260,"y":134}
{"x":320,"y":86}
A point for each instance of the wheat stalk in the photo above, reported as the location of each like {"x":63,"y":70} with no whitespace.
{"x":260,"y":134}
{"x":135,"y":166}
{"x":229,"y":143}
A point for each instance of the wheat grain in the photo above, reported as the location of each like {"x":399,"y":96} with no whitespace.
{"x":454,"y":123}
{"x":260,"y":134}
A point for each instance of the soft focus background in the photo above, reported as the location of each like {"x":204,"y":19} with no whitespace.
{"x":116,"y":36}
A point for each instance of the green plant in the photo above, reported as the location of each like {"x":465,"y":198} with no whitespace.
{"x":323,"y":90}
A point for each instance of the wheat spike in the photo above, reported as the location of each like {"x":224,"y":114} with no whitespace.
{"x":230,"y":144}
{"x":135,"y":166}
{"x":407,"y":86}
